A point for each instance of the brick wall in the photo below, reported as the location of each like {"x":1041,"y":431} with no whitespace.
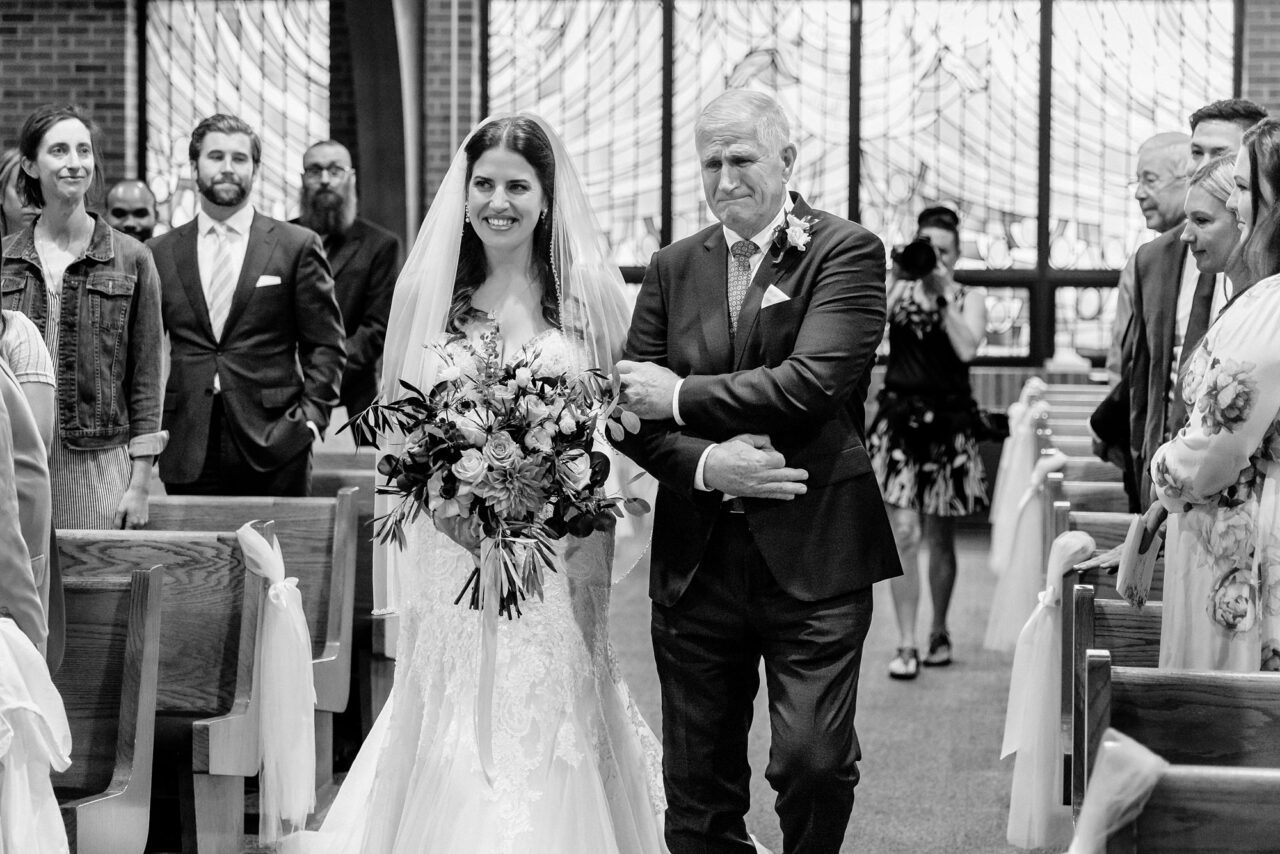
{"x":78,"y":51}
{"x":1262,"y":53}
{"x":440,"y":136}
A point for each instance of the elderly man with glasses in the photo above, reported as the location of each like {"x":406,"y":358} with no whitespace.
{"x":365,"y":259}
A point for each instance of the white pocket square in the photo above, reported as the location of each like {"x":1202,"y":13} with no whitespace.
{"x":773,"y":296}
{"x":267,"y":281}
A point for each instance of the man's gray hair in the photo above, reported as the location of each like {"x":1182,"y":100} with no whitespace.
{"x":1173,"y":149}
{"x":745,"y":105}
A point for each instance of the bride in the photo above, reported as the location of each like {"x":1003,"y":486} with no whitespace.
{"x":509,"y":259}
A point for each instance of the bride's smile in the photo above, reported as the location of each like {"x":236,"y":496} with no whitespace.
{"x":504,"y":199}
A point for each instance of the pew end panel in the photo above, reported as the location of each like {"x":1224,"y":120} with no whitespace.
{"x":1206,"y":808}
{"x":108,"y":683}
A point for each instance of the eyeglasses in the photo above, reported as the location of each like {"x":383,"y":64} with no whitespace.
{"x":334,"y":171}
{"x":1151,"y":182}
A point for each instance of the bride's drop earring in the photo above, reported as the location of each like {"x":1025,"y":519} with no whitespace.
{"x":466,"y":213}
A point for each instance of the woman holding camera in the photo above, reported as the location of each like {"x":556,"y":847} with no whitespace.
{"x":923,"y":444}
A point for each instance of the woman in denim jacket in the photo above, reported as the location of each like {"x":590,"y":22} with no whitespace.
{"x":95,"y":296}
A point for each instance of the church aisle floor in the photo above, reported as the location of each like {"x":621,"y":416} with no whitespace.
{"x":932,"y":779}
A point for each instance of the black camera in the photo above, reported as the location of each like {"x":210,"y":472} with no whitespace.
{"x":916,"y":259}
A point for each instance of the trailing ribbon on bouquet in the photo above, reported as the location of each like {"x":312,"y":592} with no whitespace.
{"x":1123,"y":778}
{"x":1037,"y":817}
{"x":489,"y":585}
{"x":284,"y":684}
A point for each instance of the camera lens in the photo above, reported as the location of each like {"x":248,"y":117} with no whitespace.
{"x":916,"y":259}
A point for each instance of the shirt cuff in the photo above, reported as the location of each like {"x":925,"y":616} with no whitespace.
{"x":148,"y":444}
{"x":699,"y":483}
{"x":675,"y":409}
{"x":315,"y":431}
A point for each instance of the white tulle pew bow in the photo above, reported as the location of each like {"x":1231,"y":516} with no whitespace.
{"x":1123,"y":778}
{"x":285,"y":690}
{"x":1037,"y":817}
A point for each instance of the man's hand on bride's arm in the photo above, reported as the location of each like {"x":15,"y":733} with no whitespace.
{"x":465,"y":531}
{"x":749,"y":467}
{"x":648,"y":390}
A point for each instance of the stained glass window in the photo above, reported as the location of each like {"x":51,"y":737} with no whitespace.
{"x":266,"y":61}
{"x":593,"y":70}
{"x":1123,"y":70}
{"x":800,"y":53}
{"x":949,"y":100}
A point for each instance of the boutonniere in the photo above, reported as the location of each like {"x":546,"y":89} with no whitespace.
{"x":793,"y":233}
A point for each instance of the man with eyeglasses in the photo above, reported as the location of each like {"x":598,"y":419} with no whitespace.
{"x":365,"y":259}
{"x":1173,"y":303}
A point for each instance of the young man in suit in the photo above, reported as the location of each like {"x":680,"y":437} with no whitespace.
{"x":255,"y":333}
{"x":748,"y":360}
{"x":365,"y":259}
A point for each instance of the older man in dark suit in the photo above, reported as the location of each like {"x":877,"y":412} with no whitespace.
{"x":749,"y":357}
{"x":365,"y":259}
{"x":255,"y":333}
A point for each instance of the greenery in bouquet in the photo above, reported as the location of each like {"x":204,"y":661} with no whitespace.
{"x":508,"y":453}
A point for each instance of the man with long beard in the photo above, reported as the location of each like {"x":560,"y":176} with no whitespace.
{"x":365,"y":259}
{"x":255,"y":332}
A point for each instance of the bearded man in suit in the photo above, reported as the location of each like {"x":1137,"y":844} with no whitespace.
{"x":748,"y":360}
{"x":255,"y":333}
{"x":365,"y":259}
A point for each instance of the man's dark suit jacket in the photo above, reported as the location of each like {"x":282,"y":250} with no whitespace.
{"x":798,"y":371}
{"x":280,"y":357}
{"x":365,"y":262}
{"x":1148,"y":351}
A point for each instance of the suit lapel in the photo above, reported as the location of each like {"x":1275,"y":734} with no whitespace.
{"x":713,"y":300}
{"x":186,"y":257}
{"x":347,"y":251}
{"x":262,"y":242}
{"x":1172,"y":257}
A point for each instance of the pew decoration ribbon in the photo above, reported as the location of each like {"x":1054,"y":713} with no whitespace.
{"x":1037,"y":818}
{"x":1138,"y":555}
{"x":1017,"y":460}
{"x":1124,"y":775}
{"x":35,"y":739}
{"x":284,"y":684}
{"x":1019,"y":584}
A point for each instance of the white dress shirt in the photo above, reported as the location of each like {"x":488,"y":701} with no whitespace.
{"x":237,"y":226}
{"x":761,"y":239}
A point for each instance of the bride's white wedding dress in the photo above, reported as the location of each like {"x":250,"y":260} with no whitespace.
{"x":577,"y":770}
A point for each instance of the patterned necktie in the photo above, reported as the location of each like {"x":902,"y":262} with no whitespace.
{"x":739,"y":279}
{"x":221,"y":286}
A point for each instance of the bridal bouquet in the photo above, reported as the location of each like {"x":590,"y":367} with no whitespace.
{"x":505,"y":452}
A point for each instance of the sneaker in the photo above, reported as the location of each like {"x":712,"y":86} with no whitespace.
{"x":906,"y":664}
{"x":939,"y":650}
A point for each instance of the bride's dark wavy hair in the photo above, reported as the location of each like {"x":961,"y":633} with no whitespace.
{"x":523,"y":136}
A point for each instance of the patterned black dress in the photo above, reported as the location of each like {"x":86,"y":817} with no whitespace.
{"x":922,"y":441}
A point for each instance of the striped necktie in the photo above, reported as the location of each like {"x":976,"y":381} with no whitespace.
{"x":739,"y":279}
{"x":221,"y":286}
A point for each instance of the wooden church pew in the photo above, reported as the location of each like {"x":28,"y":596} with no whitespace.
{"x":318,"y":539}
{"x":1187,"y":717}
{"x":208,"y":640}
{"x":108,"y":684}
{"x":1206,"y":808}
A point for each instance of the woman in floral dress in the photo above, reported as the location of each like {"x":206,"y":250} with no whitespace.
{"x":1220,"y":476}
